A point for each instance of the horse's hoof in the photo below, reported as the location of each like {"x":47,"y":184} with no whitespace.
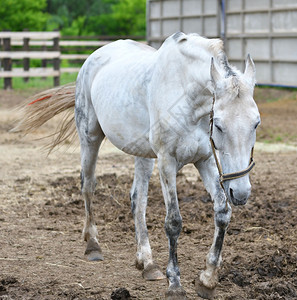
{"x":93,"y":251}
{"x":203,"y":291}
{"x":152,"y":272}
{"x":94,"y":256}
{"x":176,"y":294}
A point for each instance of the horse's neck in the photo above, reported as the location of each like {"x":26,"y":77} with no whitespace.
{"x":198,"y":101}
{"x":185,"y":87}
{"x":181,"y":104}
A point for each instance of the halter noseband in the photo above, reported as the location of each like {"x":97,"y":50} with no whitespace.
{"x":227,"y":176}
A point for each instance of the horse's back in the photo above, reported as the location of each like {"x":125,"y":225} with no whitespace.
{"x":118,"y":50}
{"x":110,"y":53}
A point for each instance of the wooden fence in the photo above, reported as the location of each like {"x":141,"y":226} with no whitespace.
{"x":24,"y":39}
{"x":49,"y":49}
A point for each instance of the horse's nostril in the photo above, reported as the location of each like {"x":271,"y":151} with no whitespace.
{"x":238,"y":197}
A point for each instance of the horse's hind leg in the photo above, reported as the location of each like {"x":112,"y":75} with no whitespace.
{"x":91,"y":136}
{"x":138,"y":195}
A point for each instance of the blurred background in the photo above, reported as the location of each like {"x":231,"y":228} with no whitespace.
{"x":44,"y":42}
{"x":267,"y":29}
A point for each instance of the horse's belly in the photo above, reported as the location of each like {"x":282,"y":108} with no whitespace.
{"x":124,"y":120}
{"x":128,"y":137}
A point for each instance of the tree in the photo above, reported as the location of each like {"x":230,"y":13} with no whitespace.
{"x":17,"y":15}
{"x":72,"y":17}
{"x":97,"y":17}
{"x":127,"y":17}
{"x":75,"y":17}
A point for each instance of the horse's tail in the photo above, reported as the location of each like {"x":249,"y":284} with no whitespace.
{"x":42,"y":107}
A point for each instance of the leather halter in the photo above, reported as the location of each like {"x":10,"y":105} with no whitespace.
{"x":227,"y":176}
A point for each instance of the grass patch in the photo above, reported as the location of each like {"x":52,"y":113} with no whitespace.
{"x":278,"y":139}
{"x":277,"y":87}
{"x":272,"y":100}
{"x":275,"y":136}
{"x":39,"y":83}
{"x":270,"y":95}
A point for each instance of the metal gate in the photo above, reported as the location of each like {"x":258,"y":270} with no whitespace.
{"x":267,"y":29}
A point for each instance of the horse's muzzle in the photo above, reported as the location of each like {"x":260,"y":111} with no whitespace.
{"x":239,"y":197}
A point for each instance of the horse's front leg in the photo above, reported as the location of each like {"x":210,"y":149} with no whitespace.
{"x":206,"y":283}
{"x":173,"y":223}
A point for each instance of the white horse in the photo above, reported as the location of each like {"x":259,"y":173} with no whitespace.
{"x":158,"y":104}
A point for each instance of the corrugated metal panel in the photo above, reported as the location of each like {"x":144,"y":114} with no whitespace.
{"x":267,"y":29}
{"x":165,"y":17}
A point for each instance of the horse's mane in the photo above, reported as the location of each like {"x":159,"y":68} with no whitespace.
{"x":198,"y":47}
{"x":191,"y":44}
{"x":213,"y":46}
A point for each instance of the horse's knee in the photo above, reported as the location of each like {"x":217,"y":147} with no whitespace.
{"x":223,"y":216}
{"x":173,"y":224}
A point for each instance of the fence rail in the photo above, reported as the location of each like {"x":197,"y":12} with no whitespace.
{"x":21,"y":47}
{"x":30,"y":54}
{"x":37,"y":35}
{"x":34,"y":72}
{"x":11,"y":54}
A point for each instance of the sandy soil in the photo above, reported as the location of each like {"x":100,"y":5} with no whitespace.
{"x":42,"y":213}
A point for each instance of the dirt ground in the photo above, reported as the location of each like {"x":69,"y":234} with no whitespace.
{"x":42,"y":214}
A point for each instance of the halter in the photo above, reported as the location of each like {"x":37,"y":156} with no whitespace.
{"x":227,"y":176}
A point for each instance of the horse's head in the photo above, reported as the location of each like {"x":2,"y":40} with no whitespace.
{"x":235,"y":120}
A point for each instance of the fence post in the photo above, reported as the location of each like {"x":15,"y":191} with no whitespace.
{"x":7,"y":63}
{"x":26,"y":61}
{"x":44,"y":61}
{"x":56,"y":62}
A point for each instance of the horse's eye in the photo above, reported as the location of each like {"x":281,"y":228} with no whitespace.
{"x":219,"y":128}
{"x":257,"y":125}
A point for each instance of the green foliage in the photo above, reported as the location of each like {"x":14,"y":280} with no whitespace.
{"x":75,"y":17}
{"x":127,"y":17}
{"x":68,"y":16}
{"x":76,"y":27}
{"x":17,"y":15}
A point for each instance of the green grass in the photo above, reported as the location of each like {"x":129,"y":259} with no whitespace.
{"x":276,"y":87}
{"x":278,"y":138}
{"x":39,"y":83}
{"x":272,"y":100}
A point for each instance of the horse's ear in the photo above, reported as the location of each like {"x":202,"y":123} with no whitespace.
{"x":214,"y":73}
{"x":250,"y":70}
{"x":180,"y":37}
